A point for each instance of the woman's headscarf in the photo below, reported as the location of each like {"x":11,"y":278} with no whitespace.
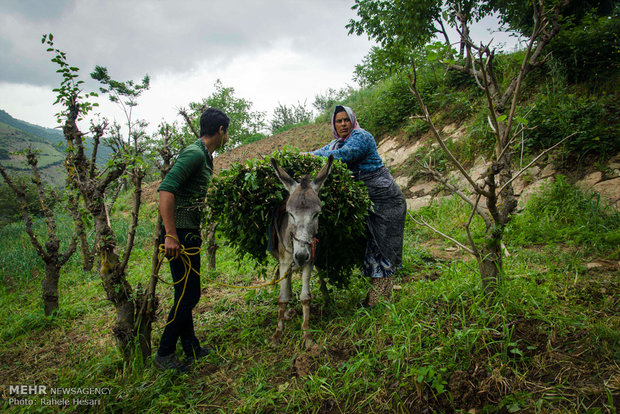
{"x":352,"y":117}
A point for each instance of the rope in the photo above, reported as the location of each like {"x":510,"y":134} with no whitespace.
{"x":185,"y":255}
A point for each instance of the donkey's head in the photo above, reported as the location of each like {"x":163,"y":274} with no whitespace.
{"x":303,"y":207}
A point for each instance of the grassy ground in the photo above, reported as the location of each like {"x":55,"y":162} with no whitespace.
{"x":549,"y":342}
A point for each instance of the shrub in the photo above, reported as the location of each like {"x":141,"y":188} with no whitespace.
{"x":556,"y":116}
{"x":242,"y":199}
{"x":589,"y":51}
{"x":10,"y":206}
{"x":388,"y":104}
{"x":563,"y":213}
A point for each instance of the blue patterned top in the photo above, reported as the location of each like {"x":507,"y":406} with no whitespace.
{"x":358,"y":151}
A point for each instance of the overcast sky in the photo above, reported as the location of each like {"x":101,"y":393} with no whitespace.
{"x":270,"y":51}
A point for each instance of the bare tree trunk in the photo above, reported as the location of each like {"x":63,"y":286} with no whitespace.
{"x":88,"y":255}
{"x":50,"y":287}
{"x":490,"y":263}
{"x":147,"y":300}
{"x":115,"y":284}
{"x":211,"y":245}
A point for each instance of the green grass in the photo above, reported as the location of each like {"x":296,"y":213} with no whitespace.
{"x":548,"y":343}
{"x":563,"y":213}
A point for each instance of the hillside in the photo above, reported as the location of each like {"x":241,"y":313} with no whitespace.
{"x":13,"y":141}
{"x":305,"y":138}
{"x":17,"y":135}
{"x":398,"y":151}
{"x":54,"y":136}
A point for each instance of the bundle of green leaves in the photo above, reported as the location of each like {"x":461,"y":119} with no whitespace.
{"x":243,"y":198}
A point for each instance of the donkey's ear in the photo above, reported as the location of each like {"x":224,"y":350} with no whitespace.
{"x":318,"y":182}
{"x":283,"y":176}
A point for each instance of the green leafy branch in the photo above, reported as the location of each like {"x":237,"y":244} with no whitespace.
{"x":68,"y":93}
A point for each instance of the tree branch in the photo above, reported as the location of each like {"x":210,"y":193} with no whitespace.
{"x":439,"y":177}
{"x":520,"y":77}
{"x":413,"y":88}
{"x":137,"y":181}
{"x":423,"y":223}
{"x":515,"y":176}
{"x":98,"y":133}
{"x":471,"y":240}
{"x":184,"y":114}
{"x":112,"y":175}
{"x":47,"y":212}
{"x":443,"y":31}
{"x":21,"y":196}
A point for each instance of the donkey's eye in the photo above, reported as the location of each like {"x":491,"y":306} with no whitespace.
{"x":315,"y":216}
{"x":291,"y":217}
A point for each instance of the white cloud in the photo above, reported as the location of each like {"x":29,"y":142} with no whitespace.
{"x":29,"y":102}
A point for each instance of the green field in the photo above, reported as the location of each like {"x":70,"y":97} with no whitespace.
{"x":549,"y":342}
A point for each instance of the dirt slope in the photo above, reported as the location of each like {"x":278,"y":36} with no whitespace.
{"x":304,"y":138}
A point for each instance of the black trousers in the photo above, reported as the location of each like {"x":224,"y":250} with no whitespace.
{"x":182,"y":325}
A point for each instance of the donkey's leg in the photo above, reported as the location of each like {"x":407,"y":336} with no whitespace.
{"x":283,"y":300}
{"x":305,"y":303}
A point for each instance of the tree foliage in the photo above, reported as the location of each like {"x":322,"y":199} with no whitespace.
{"x":404,"y":26}
{"x":286,"y":116}
{"x":399,"y":26}
{"x":326,"y":101}
{"x":245,"y":125}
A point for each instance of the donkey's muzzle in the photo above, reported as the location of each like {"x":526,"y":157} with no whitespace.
{"x":302,"y":257}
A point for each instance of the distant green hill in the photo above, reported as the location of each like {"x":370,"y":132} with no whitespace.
{"x":53,"y":136}
{"x":17,"y":135}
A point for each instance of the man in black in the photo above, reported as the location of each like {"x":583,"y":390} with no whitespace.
{"x":181,"y":198}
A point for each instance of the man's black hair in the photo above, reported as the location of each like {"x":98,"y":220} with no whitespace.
{"x":211,"y":120}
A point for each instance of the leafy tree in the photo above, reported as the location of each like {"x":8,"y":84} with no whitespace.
{"x":399,"y":26}
{"x":325,"y":102}
{"x":396,"y":26}
{"x":83,"y":173}
{"x":245,"y":125}
{"x":378,"y":65}
{"x":404,"y":26}
{"x":515,"y":15}
{"x":284,"y":116}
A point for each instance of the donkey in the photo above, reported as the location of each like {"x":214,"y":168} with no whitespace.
{"x":295,"y":225}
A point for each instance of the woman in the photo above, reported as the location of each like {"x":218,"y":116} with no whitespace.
{"x":358,"y":149}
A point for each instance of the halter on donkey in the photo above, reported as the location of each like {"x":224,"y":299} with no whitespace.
{"x":296,"y":233}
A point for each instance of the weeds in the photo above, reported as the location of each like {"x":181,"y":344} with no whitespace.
{"x":546,"y":344}
{"x":562,"y":213}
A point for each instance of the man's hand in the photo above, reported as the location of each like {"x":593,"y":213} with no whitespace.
{"x":172,"y":246}
{"x":166,"y":209}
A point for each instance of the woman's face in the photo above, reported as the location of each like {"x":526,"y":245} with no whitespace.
{"x":342,"y":123}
